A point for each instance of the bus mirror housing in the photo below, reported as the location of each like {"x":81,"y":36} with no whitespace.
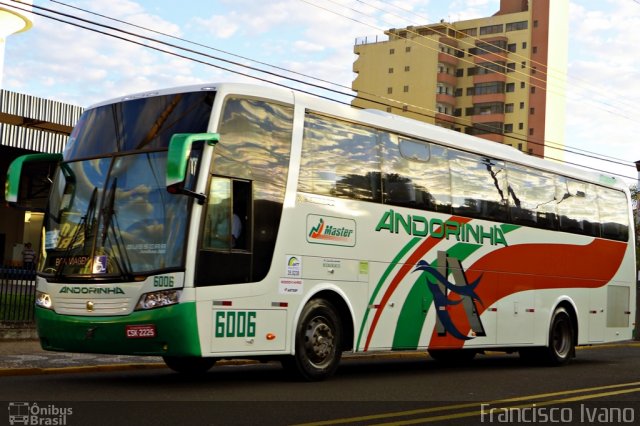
{"x":29,"y":179}
{"x":183,"y":161}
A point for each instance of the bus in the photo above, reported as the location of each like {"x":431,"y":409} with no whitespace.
{"x":239,"y":221}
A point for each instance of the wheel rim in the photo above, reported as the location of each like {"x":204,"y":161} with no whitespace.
{"x":319,"y":342}
{"x":562,"y":338}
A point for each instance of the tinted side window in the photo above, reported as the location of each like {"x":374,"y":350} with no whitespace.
{"x":415,"y":174}
{"x":479,"y":186}
{"x":532,"y":197}
{"x":614,"y":218}
{"x":340,"y":159}
{"x":577,"y":207}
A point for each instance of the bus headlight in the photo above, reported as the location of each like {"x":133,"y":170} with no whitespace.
{"x":43,"y":300}
{"x":158,"y":299}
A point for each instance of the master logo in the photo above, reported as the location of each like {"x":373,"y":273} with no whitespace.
{"x":331,"y":230}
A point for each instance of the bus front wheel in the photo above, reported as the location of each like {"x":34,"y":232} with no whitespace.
{"x":189,"y":364}
{"x":317,"y":343}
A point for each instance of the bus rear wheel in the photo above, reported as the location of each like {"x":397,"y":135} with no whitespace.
{"x":191,"y":365}
{"x":317,"y":344}
{"x":561,"y":338}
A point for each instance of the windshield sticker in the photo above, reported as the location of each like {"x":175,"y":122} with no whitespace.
{"x":100,"y":264}
{"x":51,"y":239}
{"x":294,"y":266}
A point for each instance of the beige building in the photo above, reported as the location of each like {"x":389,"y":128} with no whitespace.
{"x":501,"y":78}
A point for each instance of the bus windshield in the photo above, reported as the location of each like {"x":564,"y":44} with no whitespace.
{"x":113,"y":217}
{"x":109,"y":214}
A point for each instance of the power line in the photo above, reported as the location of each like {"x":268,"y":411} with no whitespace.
{"x":591,"y":154}
{"x":224,"y":68}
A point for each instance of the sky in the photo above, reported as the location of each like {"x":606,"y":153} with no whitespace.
{"x":314,"y":39}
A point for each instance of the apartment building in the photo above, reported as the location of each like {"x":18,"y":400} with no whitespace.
{"x":502,"y":77}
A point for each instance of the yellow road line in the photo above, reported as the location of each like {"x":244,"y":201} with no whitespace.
{"x":476,"y":404}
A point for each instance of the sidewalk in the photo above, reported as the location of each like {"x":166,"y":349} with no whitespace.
{"x":19,"y":357}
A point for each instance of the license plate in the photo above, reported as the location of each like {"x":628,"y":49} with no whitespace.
{"x":140,"y":331}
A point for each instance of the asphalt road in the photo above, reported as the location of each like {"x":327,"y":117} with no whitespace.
{"x":601,"y":386}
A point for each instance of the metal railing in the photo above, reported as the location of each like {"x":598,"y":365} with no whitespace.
{"x":17,"y":295}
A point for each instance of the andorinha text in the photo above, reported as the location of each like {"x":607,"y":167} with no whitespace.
{"x":92,"y":290}
{"x":420,"y":226}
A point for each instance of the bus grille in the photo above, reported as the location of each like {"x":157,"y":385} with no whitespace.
{"x":94,"y":307}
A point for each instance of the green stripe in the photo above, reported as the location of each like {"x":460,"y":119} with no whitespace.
{"x":417,"y":304}
{"x":381,"y":282}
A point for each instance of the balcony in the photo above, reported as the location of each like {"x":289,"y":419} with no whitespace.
{"x":488,"y":118}
{"x":447,"y":58}
{"x":445,"y":78}
{"x":491,"y":97}
{"x":448,"y":41}
{"x":445,"y":118}
{"x":489,"y":78}
{"x":445,"y":98}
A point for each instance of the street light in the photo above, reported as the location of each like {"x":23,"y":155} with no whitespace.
{"x":12,"y":20}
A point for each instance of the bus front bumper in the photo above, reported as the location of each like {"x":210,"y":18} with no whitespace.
{"x":166,"y":331}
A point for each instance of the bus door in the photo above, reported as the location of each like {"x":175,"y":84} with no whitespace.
{"x":225,"y":251}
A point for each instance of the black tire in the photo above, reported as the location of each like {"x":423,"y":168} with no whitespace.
{"x":452,"y":356}
{"x":318,"y":342}
{"x":190,"y":365}
{"x":561,"y":339}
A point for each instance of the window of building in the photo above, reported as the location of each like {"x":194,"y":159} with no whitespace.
{"x":406,"y":89}
{"x":407,"y":68}
{"x":460,"y":72}
{"x":531,"y":131}
{"x":510,"y":87}
{"x":489,"y":88}
{"x":389,"y":90}
{"x":515,"y":26}
{"x":533,"y":89}
{"x":523,"y":64}
{"x":511,"y":47}
{"x":491,"y":29}
{"x":534,"y":49}
{"x":471,"y":32}
{"x":405,"y":108}
{"x":522,"y":84}
{"x":392,"y":51}
{"x":532,"y":111}
{"x":407,"y":49}
{"x":508,"y":128}
{"x":508,"y":108}
{"x":524,"y":45}
{"x":533,"y":70}
{"x":520,"y":126}
{"x":521,"y":105}
{"x":535,"y":24}
{"x":511,"y":67}
{"x":390,"y":70}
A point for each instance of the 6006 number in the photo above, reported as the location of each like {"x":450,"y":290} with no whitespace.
{"x":235,"y":324}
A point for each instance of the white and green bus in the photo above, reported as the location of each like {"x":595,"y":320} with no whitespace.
{"x":238,"y":221}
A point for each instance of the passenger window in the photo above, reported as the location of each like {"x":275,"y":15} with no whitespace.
{"x":532,"y":197}
{"x":613,"y":219}
{"x":415,"y":174}
{"x":577,"y":207}
{"x":479,"y":185}
{"x":340,"y":159}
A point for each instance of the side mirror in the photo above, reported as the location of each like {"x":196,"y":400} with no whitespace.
{"x":29,"y":180}
{"x":183,"y":161}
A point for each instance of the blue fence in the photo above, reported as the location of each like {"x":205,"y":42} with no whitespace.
{"x":17,"y":295}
